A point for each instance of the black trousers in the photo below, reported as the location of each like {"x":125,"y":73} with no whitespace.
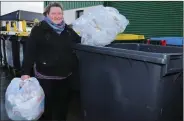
{"x":56,"y":99}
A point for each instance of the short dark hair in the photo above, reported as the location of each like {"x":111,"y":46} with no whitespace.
{"x":49,"y":6}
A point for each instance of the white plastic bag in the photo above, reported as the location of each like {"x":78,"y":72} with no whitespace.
{"x":100,"y":25}
{"x":24,"y":100}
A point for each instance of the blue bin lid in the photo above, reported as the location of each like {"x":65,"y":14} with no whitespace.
{"x":170,"y":40}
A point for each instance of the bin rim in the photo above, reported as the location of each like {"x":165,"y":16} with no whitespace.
{"x":159,"y":58}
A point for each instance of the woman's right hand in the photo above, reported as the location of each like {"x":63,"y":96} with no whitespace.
{"x":24,"y":77}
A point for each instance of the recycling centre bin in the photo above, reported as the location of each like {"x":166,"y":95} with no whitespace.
{"x":2,"y":42}
{"x":15,"y":30}
{"x":131,"y":82}
{"x":12,"y":50}
{"x":129,"y":38}
{"x":166,"y":41}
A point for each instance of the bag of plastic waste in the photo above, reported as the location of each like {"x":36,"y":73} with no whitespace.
{"x":100,"y":25}
{"x":24,"y":100}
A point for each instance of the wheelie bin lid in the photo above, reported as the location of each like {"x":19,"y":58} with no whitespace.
{"x":170,"y":40}
{"x":122,"y":37}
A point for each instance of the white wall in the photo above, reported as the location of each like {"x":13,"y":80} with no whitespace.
{"x":7,"y":7}
{"x":70,"y":15}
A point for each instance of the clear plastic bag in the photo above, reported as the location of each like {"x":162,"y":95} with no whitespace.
{"x":99,"y":26}
{"x":24,"y":100}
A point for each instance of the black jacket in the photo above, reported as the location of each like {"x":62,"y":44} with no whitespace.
{"x":52,"y":53}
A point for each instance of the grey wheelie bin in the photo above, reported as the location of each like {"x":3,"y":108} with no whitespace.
{"x":12,"y":54}
{"x":131,"y":82}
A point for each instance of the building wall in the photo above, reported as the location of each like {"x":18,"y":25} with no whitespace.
{"x":153,"y":18}
{"x":70,"y":15}
{"x":150,"y":18}
{"x":68,"y":5}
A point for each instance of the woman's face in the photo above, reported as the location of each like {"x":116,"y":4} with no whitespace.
{"x":56,"y":15}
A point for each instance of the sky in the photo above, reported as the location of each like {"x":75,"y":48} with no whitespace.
{"x":7,"y":7}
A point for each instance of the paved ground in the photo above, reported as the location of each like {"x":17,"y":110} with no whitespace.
{"x":5,"y":78}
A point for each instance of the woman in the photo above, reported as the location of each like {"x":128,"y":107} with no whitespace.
{"x":49,"y":52}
